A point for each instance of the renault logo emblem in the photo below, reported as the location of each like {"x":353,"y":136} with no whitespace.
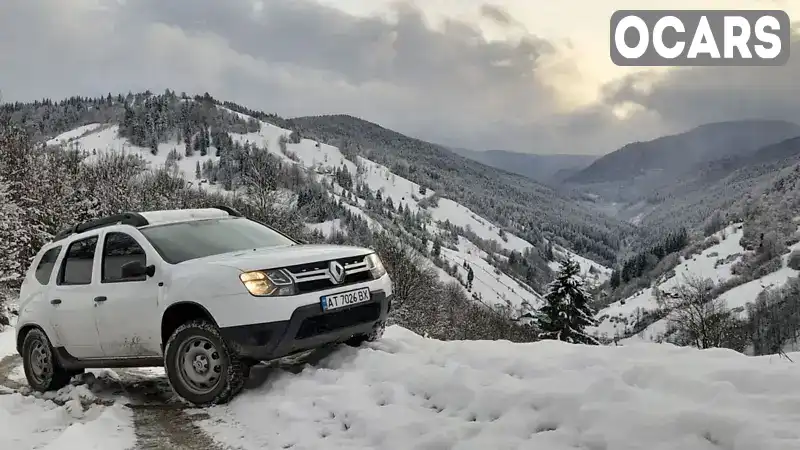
{"x":337,"y":272}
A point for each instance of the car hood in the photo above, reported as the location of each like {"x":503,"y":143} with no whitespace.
{"x":277,"y":257}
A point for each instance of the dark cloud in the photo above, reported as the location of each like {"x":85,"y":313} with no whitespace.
{"x":686,"y":97}
{"x":497,"y":14}
{"x":289,"y":56}
{"x":296,"y":57}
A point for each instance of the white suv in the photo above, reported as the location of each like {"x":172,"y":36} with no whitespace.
{"x":204,"y":293}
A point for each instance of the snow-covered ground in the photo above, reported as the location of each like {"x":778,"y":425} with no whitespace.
{"x":72,"y":421}
{"x":409,"y":392}
{"x":69,"y":136}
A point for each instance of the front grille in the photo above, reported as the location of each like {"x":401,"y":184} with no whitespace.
{"x":328,"y":322}
{"x":316,"y":276}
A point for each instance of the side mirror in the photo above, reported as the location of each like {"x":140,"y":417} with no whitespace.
{"x":136,"y":269}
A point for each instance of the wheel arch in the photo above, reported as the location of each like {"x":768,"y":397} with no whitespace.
{"x":23,"y":332}
{"x":179,"y":313}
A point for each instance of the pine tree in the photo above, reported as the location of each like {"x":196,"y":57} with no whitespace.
{"x":437,"y":248}
{"x":197,"y":170}
{"x":566,"y":312}
{"x":470,"y":278}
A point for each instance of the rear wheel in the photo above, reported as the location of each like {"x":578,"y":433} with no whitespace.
{"x":42,"y":370}
{"x":372,"y":336}
{"x":200,"y":366}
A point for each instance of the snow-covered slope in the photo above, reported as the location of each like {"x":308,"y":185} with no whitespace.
{"x":593,"y":273}
{"x":409,"y":392}
{"x":714,"y":263}
{"x":490,"y":285}
{"x":323,"y":159}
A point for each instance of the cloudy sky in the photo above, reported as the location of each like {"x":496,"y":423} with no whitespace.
{"x":522,"y":75}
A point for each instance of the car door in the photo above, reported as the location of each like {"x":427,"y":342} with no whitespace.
{"x":127,"y":318}
{"x":72,"y":300}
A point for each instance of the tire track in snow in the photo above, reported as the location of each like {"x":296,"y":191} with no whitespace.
{"x":161,"y":420}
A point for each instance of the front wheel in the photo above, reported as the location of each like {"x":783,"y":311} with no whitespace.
{"x":41,"y":367}
{"x":200,"y":366}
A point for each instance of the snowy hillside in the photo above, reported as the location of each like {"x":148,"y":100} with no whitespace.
{"x":408,"y":392}
{"x":323,"y":160}
{"x":714,"y":263}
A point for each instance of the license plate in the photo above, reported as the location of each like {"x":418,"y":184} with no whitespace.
{"x":342,"y":299}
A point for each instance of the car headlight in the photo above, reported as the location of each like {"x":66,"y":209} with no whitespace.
{"x":269,"y":283}
{"x":375,"y":265}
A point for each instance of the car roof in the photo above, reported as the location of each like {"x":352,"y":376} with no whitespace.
{"x":147,"y":218}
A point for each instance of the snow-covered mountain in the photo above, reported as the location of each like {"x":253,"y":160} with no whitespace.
{"x":490,"y":286}
{"x":626,"y":321}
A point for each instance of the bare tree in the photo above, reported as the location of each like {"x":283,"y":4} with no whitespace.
{"x":260,"y":177}
{"x":695,"y":316}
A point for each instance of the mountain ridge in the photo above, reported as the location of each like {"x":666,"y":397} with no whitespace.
{"x":673,"y":155}
{"x":544,"y":168}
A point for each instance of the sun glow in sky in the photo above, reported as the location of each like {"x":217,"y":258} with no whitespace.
{"x":579,"y":28}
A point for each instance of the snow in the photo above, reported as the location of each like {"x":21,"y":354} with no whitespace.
{"x":702,"y":265}
{"x":747,"y":293}
{"x":71,"y":135}
{"x":602,"y":274}
{"x":463,"y":217}
{"x":108,"y":139}
{"x":328,"y":227}
{"x":8,"y":341}
{"x":402,"y":191}
{"x":39,"y":422}
{"x":169,"y":216}
{"x":492,"y":287}
{"x":406,"y":391}
{"x":410,"y":392}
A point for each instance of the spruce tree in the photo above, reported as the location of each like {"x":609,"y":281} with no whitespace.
{"x":566,"y":312}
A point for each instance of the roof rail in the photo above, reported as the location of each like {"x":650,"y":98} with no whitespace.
{"x":128,"y":218}
{"x":228,"y":210}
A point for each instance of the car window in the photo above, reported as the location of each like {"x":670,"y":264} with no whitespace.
{"x":120,"y":249}
{"x":183,"y":241}
{"x":45,"y":267}
{"x":77,"y":265}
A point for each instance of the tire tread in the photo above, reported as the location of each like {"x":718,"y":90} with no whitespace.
{"x":235,"y":377}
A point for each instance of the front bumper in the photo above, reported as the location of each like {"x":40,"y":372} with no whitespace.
{"x":309,"y":327}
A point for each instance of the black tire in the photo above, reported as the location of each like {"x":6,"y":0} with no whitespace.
{"x":41,"y":366}
{"x":372,"y":336}
{"x":215,"y":373}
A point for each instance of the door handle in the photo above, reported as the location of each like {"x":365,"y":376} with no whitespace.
{"x":55,"y":301}
{"x":99,"y":299}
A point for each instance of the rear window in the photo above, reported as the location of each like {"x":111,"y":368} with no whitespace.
{"x":180,"y":242}
{"x":45,"y":267}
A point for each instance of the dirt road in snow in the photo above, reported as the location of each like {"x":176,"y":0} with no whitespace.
{"x":160,"y":421}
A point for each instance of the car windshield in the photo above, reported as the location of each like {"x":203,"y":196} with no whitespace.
{"x":183,"y":241}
